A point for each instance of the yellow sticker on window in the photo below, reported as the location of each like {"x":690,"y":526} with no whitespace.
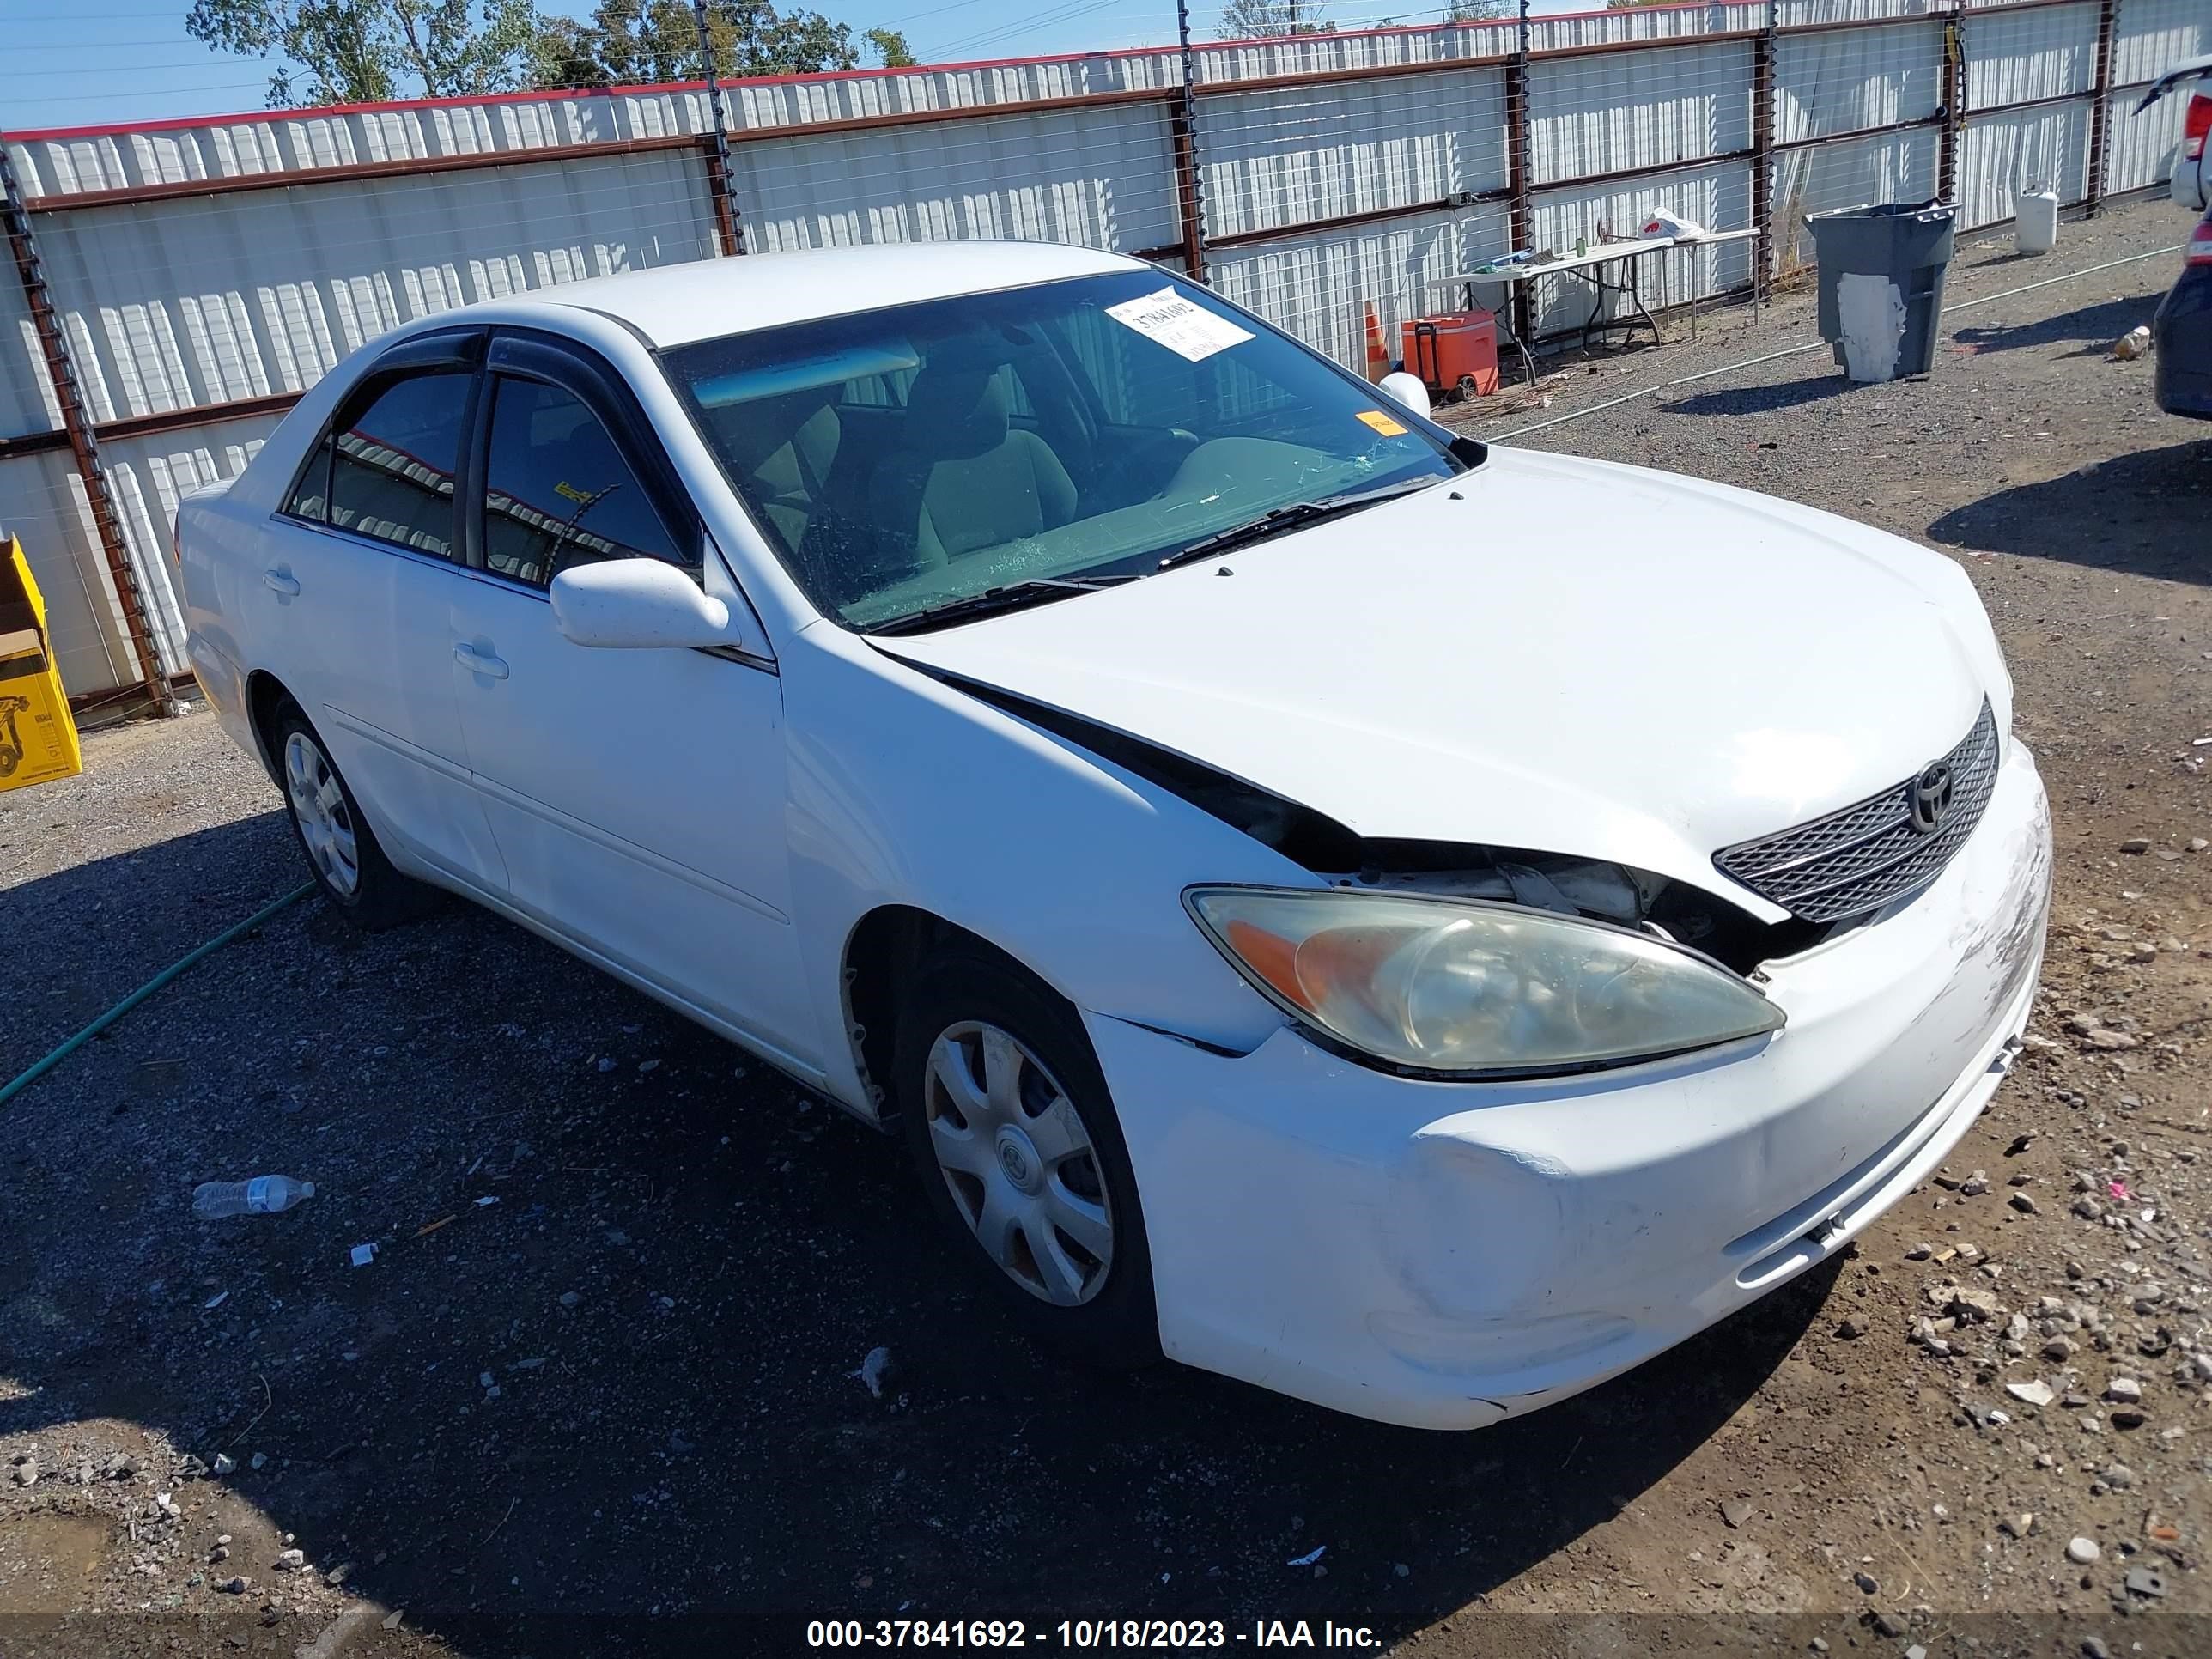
{"x":1382,"y":422}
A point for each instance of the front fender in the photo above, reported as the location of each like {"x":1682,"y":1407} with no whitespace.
{"x":906,"y":791}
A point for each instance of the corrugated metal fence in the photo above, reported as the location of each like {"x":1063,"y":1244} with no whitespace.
{"x":204,"y":273}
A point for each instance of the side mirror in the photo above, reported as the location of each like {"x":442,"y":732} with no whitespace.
{"x":637,"y":604}
{"x":1406,"y":389}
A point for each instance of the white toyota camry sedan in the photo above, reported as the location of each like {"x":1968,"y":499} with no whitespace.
{"x":1420,"y":926}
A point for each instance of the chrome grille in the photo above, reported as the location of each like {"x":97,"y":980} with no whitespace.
{"x":1865,"y":856}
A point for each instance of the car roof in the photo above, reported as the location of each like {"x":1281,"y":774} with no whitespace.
{"x":672,"y":305}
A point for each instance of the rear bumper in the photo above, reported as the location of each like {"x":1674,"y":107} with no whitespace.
{"x":2187,"y":184}
{"x":1446,"y":1255}
{"x":2185,"y":390}
{"x":2183,"y":361}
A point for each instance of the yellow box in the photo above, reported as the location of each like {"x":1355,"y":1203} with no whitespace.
{"x":38,"y":738}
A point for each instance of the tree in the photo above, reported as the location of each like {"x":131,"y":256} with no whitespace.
{"x":1260,"y":20}
{"x":1480,"y":11}
{"x":365,"y":50}
{"x":889,"y":47}
{"x":636,"y":41}
{"x":346,"y":51}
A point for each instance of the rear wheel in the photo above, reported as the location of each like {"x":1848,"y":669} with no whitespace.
{"x":349,"y":864}
{"x":1006,"y":1114}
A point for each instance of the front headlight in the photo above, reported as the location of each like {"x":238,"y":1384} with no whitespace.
{"x":1463,"y":985}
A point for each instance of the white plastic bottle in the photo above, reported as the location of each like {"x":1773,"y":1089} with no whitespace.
{"x":212,"y":1200}
{"x":2036,"y":228}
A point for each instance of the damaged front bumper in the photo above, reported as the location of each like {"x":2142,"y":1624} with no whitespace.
{"x":1444,"y":1254}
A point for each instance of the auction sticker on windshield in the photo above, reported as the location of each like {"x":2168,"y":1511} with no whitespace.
{"x":1187,"y":329}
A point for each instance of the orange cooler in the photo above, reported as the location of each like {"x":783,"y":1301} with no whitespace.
{"x":1456,"y":354}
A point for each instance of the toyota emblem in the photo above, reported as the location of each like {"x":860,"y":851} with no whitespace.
{"x":1928,"y":799}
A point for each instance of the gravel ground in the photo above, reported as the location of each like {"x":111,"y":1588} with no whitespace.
{"x":598,"y":1388}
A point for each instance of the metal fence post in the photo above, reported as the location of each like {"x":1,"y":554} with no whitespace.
{"x":1762,"y":161}
{"x":1183,"y":121}
{"x":1519,"y":143}
{"x":2100,"y":110}
{"x":728,"y":224}
{"x":1954,"y":102}
{"x":84,"y":448}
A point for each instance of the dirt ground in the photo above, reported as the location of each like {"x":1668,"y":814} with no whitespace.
{"x":597,"y":1390}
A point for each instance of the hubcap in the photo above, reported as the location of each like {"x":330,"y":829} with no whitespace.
{"x":1018,"y":1163}
{"x":1020,"y":1159}
{"x":319,"y":806}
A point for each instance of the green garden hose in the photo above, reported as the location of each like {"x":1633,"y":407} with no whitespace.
{"x":16,"y":1085}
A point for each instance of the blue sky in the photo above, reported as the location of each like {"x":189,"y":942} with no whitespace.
{"x":102,"y":62}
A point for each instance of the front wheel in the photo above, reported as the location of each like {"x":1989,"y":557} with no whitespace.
{"x":1006,"y":1114}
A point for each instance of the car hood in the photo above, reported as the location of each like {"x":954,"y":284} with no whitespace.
{"x":1552,"y":653}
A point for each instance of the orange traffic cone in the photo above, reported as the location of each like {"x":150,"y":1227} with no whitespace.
{"x":1378,"y":354}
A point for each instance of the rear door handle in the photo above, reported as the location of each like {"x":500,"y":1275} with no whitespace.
{"x":281,"y":582}
{"x":477,"y":662}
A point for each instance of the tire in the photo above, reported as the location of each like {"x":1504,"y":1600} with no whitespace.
{"x":350,"y":867}
{"x":1086,"y":1292}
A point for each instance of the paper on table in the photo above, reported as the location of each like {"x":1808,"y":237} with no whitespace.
{"x":1189,"y":330}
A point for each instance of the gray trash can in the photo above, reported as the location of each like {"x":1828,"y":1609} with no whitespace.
{"x":1882,"y":284}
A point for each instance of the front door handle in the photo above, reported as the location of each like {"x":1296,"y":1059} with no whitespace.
{"x":479,"y":662}
{"x":281,"y":582}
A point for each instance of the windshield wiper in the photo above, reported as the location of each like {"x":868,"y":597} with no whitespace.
{"x":992,"y":601}
{"x":1277,"y":519}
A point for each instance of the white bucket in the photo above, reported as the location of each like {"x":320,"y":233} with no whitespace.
{"x":2036,"y":229}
